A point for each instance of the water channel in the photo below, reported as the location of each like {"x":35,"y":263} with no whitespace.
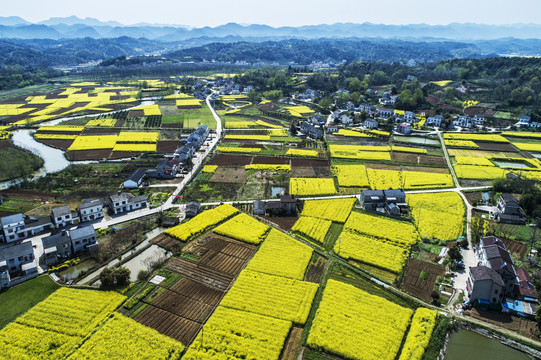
{"x":466,"y":344}
{"x":54,"y":159}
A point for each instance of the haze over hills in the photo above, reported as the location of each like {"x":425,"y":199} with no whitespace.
{"x":74,"y":27}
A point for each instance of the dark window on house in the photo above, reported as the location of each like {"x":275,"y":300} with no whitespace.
{"x":496,"y":291}
{"x":13,"y":268}
{"x":20,"y":258}
{"x":493,"y":299}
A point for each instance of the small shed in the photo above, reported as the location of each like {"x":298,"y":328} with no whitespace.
{"x":259,"y":207}
{"x":192,"y":209}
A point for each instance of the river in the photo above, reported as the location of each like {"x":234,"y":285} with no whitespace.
{"x":466,"y":344}
{"x":54,"y":159}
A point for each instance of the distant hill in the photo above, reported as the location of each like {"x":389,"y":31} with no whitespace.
{"x":328,"y":51}
{"x":170,"y":33}
{"x":12,"y":20}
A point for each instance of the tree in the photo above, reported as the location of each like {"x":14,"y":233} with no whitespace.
{"x":107,"y":277}
{"x":454,"y":253}
{"x":122,"y":276}
{"x":325,"y":105}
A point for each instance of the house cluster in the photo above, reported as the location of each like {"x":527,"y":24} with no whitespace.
{"x":65,"y":244}
{"x":171,"y":164}
{"x":287,"y":205}
{"x":525,"y":121}
{"x":497,"y":284}
{"x":469,"y":122}
{"x":201,"y":91}
{"x":313,"y":127}
{"x":391,"y":202}
{"x":508,"y":210}
{"x":341,"y":118}
{"x":388,"y":99}
{"x":229,"y":87}
{"x":308,"y":95}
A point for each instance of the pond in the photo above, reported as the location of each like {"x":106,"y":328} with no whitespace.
{"x":417,"y":140}
{"x":486,"y":197}
{"x":74,"y":271}
{"x":511,"y":164}
{"x":466,"y":344}
{"x":277,"y":190}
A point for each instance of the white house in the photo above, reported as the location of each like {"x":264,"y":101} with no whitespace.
{"x":479,"y":120}
{"x":17,"y":226}
{"x":135,"y":180}
{"x":91,"y":209}
{"x":62,"y":216}
{"x":124,"y":202}
{"x":13,"y":227}
{"x":18,"y":259}
{"x":435,"y":120}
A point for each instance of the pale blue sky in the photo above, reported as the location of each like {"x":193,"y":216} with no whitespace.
{"x":200,"y":13}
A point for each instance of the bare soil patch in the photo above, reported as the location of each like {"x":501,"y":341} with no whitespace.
{"x":308,"y":162}
{"x":230,"y":160}
{"x":269,"y":160}
{"x":59,"y":144}
{"x":229,"y":175}
{"x":166,"y":146}
{"x":487,"y":146}
{"x":88,"y":154}
{"x":303,"y":172}
{"x":412,"y":282}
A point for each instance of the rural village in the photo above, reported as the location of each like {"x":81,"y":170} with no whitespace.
{"x":207,"y":215}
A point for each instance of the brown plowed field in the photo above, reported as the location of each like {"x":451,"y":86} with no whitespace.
{"x":201,"y":273}
{"x":169,"y":324}
{"x":123,"y":154}
{"x":284,"y":222}
{"x":308,"y":162}
{"x":225,"y":245}
{"x":230,"y":160}
{"x":167,"y":146}
{"x":515,"y":247}
{"x":416,"y":286}
{"x":183,"y":306}
{"x":101,"y":131}
{"x":228,"y":175}
{"x":167,"y":242}
{"x":88,"y":154}
{"x":495,"y":146}
{"x":197,"y":291}
{"x":418,"y":159}
{"x":59,"y":144}
{"x":269,"y":160}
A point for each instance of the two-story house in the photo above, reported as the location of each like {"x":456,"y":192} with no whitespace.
{"x":485,"y":284}
{"x":509,"y":211}
{"x":13,"y":227}
{"x":91,"y":209}
{"x":463,"y":121}
{"x":18,"y":259}
{"x":435,"y":120}
{"x":492,"y":253}
{"x":56,"y":248}
{"x":385,"y":112}
{"x":124,"y":202}
{"x":83,"y":239}
{"x":62,"y":216}
{"x":18,"y":226}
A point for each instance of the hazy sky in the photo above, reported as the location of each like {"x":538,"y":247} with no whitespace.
{"x":200,"y":13}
